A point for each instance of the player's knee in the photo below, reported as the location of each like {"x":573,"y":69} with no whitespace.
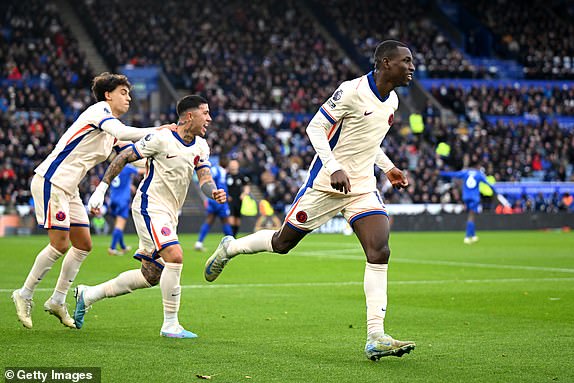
{"x":172,"y":254}
{"x":151,"y":272}
{"x":380,"y":254}
{"x":62,"y":245}
{"x":281,"y":247}
{"x":86,"y":246}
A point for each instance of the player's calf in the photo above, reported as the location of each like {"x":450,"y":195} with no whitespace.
{"x":151,"y":271}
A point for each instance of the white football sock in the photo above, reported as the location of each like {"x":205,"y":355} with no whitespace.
{"x":375,"y":285}
{"x":43,"y":263}
{"x":70,"y":267}
{"x":124,"y":283}
{"x":171,"y":294}
{"x":252,"y":243}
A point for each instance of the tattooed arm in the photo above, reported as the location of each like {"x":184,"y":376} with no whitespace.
{"x":208,"y":187}
{"x":119,"y":162}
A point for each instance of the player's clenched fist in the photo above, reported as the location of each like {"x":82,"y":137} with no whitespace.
{"x":219,"y":196}
{"x":97,"y":199}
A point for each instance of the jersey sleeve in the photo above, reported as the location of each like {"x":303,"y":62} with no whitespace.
{"x":339,"y":104}
{"x":203,"y":156}
{"x":332,"y":111}
{"x":383,"y":162}
{"x":101,"y":117}
{"x":149,"y":146}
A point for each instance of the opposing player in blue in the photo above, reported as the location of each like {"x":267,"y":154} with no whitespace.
{"x":471,"y":179}
{"x":120,"y":196}
{"x":215,"y":209}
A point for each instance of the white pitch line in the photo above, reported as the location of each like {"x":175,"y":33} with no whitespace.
{"x":353,"y":283}
{"x":322,"y":254}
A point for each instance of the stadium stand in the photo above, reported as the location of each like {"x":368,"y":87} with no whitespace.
{"x":255,"y":55}
{"x":532,"y":33}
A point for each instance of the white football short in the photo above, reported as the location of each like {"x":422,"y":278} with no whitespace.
{"x":312,"y":208}
{"x":156,"y":229}
{"x":55,"y":208}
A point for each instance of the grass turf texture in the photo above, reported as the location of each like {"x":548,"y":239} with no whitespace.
{"x":500,"y":310}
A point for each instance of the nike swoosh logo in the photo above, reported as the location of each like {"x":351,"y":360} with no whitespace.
{"x":175,"y":295}
{"x":208,"y":270}
{"x":168,"y":156}
{"x":367,"y":113}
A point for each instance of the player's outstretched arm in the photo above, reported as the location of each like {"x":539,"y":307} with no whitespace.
{"x":123,"y":132}
{"x":208,"y":187}
{"x":97,"y":199}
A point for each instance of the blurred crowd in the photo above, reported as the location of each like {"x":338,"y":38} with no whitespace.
{"x":240,"y":55}
{"x":541,"y":101}
{"x":533,"y":32}
{"x":404,"y":20}
{"x":45,"y":83}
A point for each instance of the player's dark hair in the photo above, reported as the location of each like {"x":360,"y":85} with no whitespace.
{"x":189,"y":102}
{"x":107,"y":82}
{"x":386,"y":49}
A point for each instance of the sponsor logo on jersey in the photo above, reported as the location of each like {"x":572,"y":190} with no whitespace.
{"x":165,"y":231}
{"x":107,"y":110}
{"x":148,"y":137}
{"x":60,"y":216}
{"x":301,"y":216}
{"x":331,"y":104}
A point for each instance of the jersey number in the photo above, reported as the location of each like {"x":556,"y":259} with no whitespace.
{"x":470,"y":182}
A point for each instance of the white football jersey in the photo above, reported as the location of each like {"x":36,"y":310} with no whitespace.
{"x":355,"y":119}
{"x":170,"y":166}
{"x":83,"y":146}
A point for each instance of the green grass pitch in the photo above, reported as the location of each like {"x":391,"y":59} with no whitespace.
{"x":501,"y":310}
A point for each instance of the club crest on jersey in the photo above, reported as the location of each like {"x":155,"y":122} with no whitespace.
{"x":196,"y":161}
{"x":165,"y":231}
{"x":391,"y":119}
{"x":60,"y":216}
{"x":301,"y":216}
{"x":337,"y":95}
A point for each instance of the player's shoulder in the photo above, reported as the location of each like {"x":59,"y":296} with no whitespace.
{"x":157,"y":139}
{"x":202,"y":143}
{"x":100,"y":109}
{"x":393,"y":99}
{"x":345,"y":94}
{"x":347,"y":88}
{"x":161,"y":135}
